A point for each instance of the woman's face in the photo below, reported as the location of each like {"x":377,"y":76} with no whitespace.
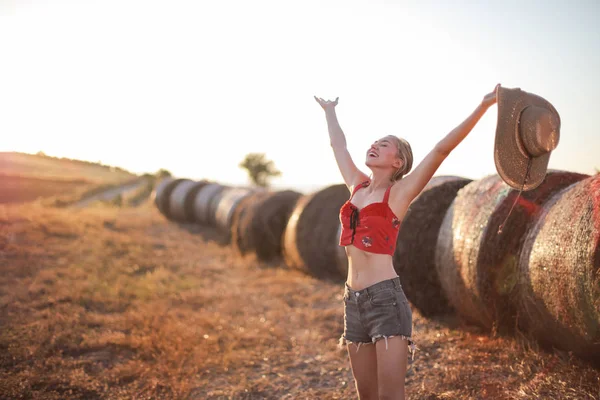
{"x":383,"y":153}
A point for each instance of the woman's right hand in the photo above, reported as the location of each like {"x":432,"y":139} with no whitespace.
{"x":490,"y":98}
{"x":327,"y":104}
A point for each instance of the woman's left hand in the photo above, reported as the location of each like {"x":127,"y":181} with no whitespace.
{"x":490,"y":98}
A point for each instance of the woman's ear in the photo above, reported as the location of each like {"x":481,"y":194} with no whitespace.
{"x":398,"y":163}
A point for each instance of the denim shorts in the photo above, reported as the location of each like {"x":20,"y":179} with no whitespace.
{"x":377,"y":312}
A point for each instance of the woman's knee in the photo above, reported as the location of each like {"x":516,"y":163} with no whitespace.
{"x":391,"y":392}
{"x":367,"y":392}
{"x":391,"y":396}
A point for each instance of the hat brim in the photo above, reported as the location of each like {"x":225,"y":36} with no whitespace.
{"x":510,"y":156}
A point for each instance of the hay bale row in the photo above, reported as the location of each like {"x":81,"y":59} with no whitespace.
{"x":558,"y":296}
{"x":310,"y":236}
{"x":202,"y":206}
{"x":414,"y":259}
{"x":174,"y":209}
{"x":224,"y":206}
{"x":259,"y":231}
{"x":541,"y":274}
{"x":259,"y":223}
{"x":477,"y":267}
{"x":239,"y":240}
{"x":184,"y":200}
{"x":213,"y":205}
{"x":181,"y":198}
{"x":162,"y":194}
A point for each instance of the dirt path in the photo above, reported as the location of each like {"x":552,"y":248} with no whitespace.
{"x":112,"y":193}
{"x":119,"y":303}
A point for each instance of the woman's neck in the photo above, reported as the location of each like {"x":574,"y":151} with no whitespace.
{"x":380,"y":181}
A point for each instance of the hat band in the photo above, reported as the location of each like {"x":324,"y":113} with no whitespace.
{"x":518,"y":196}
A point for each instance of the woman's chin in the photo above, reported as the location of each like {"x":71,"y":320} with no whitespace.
{"x":369,"y":162}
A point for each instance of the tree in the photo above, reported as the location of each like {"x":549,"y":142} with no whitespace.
{"x":259,"y":169}
{"x":163,"y":173}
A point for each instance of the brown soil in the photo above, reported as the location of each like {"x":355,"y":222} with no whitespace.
{"x":119,"y":303}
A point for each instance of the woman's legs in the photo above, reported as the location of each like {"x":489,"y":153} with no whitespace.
{"x":363,"y":361}
{"x":381,"y":314}
{"x":392,"y":360}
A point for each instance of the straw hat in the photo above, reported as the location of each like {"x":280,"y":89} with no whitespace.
{"x":528,"y":130}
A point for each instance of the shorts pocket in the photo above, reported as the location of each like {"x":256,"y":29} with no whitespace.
{"x":385,"y":297}
{"x":401,"y":296}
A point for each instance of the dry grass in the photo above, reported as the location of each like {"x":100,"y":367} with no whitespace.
{"x":18,"y":189}
{"x":118,"y":303}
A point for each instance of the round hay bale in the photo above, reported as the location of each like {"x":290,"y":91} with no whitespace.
{"x":213,"y":206}
{"x":414,"y":259}
{"x":310,"y":235}
{"x":202,"y":202}
{"x":177,"y":199}
{"x":188,"y":204}
{"x":226,"y":206}
{"x":559,"y":272}
{"x":341,"y":257}
{"x":262,"y":222}
{"x":477,"y":267}
{"x":240,"y":245}
{"x":158,"y":193}
{"x":163,"y":193}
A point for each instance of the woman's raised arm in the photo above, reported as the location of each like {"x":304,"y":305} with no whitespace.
{"x":416,"y":181}
{"x":351,"y":174}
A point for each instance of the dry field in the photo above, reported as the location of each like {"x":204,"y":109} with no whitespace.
{"x":15,"y":189}
{"x":118,"y":303}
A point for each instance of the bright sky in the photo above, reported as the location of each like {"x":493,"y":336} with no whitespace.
{"x":192,"y":86}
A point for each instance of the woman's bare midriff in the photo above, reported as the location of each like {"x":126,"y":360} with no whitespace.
{"x":366,"y":269}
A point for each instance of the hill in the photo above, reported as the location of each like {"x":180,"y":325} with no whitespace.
{"x":27,"y":177}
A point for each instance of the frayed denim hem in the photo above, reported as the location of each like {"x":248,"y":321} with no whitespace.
{"x":411,"y":344}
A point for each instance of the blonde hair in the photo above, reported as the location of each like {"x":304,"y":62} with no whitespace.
{"x":405,"y":153}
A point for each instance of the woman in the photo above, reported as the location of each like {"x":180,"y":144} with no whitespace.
{"x":375,"y":306}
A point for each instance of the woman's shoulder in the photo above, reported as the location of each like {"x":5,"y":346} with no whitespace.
{"x":400,"y":196}
{"x":359,"y":184}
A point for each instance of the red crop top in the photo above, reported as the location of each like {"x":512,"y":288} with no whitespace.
{"x":373,"y":228}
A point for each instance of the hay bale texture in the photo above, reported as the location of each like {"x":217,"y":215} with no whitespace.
{"x":214,"y":203}
{"x":202,"y":202}
{"x":226,"y":206}
{"x":238,"y":239}
{"x":310,"y":235}
{"x":559,"y":272}
{"x":414,"y":259}
{"x":179,"y":199}
{"x":188,"y":204}
{"x":477,"y":266}
{"x":162,"y":194}
{"x":260,"y":221}
{"x":341,"y":257}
